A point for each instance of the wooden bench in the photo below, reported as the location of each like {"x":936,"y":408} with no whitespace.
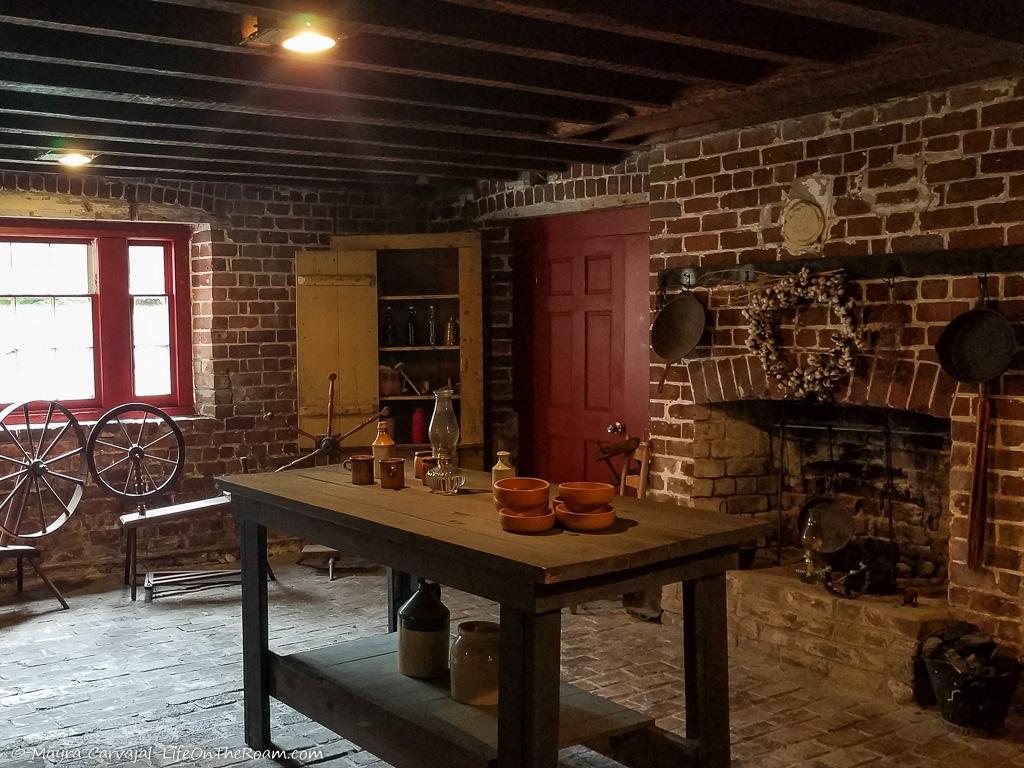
{"x":194,"y":579}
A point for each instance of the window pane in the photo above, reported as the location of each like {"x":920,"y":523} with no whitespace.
{"x":72,"y":322}
{"x":150,"y":321}
{"x":46,"y":349}
{"x":146,"y":269}
{"x":44,"y":268}
{"x":33,"y":322}
{"x":74,"y":374}
{"x":152,"y":371}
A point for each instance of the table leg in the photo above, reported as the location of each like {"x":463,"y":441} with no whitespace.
{"x":706,"y":669}
{"x":255,"y":642}
{"x":400,"y":589}
{"x":528,"y":703}
{"x":19,"y":566}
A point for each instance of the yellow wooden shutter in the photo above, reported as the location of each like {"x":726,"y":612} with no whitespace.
{"x":336,"y":324}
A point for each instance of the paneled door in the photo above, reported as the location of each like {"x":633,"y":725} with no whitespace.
{"x":582,"y":361}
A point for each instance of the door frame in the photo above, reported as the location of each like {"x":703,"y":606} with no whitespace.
{"x":526,"y":235}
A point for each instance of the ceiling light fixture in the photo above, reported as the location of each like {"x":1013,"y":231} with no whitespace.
{"x":309,"y":41}
{"x":69,"y":158}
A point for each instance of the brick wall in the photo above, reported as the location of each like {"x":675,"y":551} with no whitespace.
{"x":243,"y":306}
{"x":942,"y":170}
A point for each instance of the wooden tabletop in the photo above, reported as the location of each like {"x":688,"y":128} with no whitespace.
{"x":467,"y":525}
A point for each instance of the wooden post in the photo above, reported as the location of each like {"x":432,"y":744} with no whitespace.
{"x":255,"y":638}
{"x":528,"y":702}
{"x":400,"y":589}
{"x":706,"y":669}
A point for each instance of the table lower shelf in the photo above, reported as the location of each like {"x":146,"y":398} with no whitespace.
{"x":355,"y":689}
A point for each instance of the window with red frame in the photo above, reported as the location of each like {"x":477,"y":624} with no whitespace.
{"x":95,"y":317}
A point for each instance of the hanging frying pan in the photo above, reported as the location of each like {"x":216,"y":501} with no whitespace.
{"x":677,"y":330}
{"x":978,"y":347}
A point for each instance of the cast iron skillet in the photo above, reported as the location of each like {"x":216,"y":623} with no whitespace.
{"x":977,"y":346}
{"x":677,"y":330}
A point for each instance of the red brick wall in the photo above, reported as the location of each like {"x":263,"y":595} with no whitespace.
{"x":243,"y":305}
{"x":943,"y":170}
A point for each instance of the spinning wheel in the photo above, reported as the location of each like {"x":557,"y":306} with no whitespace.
{"x":42,"y":472}
{"x":135,"y":452}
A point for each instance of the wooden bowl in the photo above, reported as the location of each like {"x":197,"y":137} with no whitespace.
{"x":521,"y":493}
{"x":583,"y":521}
{"x":585,"y":497}
{"x":531,"y":512}
{"x":514,"y":523}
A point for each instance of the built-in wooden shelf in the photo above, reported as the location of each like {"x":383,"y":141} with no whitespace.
{"x":355,"y":689}
{"x":419,"y":297}
{"x":424,"y":348}
{"x":412,"y":397}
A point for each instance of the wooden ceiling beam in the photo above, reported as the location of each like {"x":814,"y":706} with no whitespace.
{"x":397,"y":60}
{"x":70,"y":132}
{"x":115,"y":172}
{"x":135,"y":84}
{"x":908,"y":71}
{"x":299,"y":132}
{"x":480,"y":30}
{"x":120,"y":152}
{"x":980,"y":22}
{"x":23,"y":34}
{"x":715,"y":25}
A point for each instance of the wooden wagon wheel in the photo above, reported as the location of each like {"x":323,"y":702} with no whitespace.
{"x":42,"y":470}
{"x":135,"y":452}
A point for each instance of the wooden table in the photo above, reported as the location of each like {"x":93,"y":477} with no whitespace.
{"x":355,"y":689}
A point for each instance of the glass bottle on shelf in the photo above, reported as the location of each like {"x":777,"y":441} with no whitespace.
{"x":410,"y":327}
{"x":451,"y":332}
{"x":432,"y":325}
{"x":387,"y":336}
{"x":445,"y":478}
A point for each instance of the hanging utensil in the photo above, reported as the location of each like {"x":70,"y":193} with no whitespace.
{"x":978,"y":347}
{"x":677,"y":330}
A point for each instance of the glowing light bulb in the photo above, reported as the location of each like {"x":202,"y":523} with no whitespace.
{"x":74,"y":159}
{"x":309,"y":41}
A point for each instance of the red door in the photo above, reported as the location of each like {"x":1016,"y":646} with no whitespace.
{"x":582,"y":318}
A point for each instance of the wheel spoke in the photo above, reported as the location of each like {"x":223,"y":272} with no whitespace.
{"x":142,"y":463}
{"x":10,"y":496}
{"x":66,"y":455}
{"x":21,"y":510}
{"x":13,"y":461}
{"x":123,"y":429}
{"x":12,"y":476}
{"x":161,"y":458}
{"x":55,"y":440}
{"x":16,"y":441}
{"x":28,"y":430}
{"x":142,"y":427}
{"x":122,"y":460}
{"x":55,"y":494}
{"x":114,"y":445}
{"x":42,"y":510}
{"x":128,"y":479}
{"x":146,"y":447}
{"x":46,"y":426}
{"x":70,"y":479}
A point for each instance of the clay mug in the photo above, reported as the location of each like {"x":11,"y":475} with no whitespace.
{"x":418,"y":469}
{"x":428,"y":463}
{"x":362,"y":468}
{"x":392,"y":474}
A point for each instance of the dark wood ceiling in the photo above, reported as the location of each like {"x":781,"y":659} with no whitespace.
{"x":449,"y":91}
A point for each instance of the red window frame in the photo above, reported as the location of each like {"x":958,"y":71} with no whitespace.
{"x":112,"y":307}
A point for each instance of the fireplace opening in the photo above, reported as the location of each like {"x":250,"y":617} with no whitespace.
{"x":770,"y":458}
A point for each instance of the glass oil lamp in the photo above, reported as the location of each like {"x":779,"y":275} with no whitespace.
{"x":812,"y":538}
{"x":445,"y":478}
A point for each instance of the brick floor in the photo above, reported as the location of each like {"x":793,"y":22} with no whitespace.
{"x":165,"y":678}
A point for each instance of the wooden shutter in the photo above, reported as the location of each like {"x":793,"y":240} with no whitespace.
{"x":336,"y":325}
